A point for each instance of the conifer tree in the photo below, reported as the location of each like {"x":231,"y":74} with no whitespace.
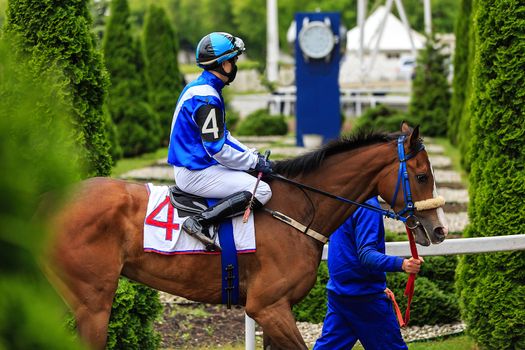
{"x":491,"y":286}
{"x":58,"y":33}
{"x":461,"y":80}
{"x":138,"y":126}
{"x":464,"y":127}
{"x":135,"y":306}
{"x":165,"y":82}
{"x":430,"y":101}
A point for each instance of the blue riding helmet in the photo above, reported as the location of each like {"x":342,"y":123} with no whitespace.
{"x":216,"y":48}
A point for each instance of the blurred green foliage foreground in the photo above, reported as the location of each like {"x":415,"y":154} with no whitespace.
{"x":35,"y":157}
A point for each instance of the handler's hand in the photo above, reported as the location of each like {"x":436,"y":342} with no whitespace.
{"x":412,"y":265}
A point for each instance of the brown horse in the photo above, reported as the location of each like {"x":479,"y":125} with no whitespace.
{"x":99,"y":236}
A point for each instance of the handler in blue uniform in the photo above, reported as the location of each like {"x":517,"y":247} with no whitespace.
{"x":207,"y":160}
{"x":358,"y":308}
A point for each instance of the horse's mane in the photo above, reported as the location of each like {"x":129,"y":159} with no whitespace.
{"x":312,"y":160}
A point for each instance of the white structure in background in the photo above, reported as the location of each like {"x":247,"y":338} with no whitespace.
{"x":272,"y":41}
{"x":389,"y":48}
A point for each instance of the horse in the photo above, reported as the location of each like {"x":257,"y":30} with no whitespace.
{"x":98,"y":235}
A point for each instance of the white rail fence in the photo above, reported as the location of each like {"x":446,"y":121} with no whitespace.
{"x":448,"y":247}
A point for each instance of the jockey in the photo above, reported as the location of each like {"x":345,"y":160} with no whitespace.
{"x":207,"y":160}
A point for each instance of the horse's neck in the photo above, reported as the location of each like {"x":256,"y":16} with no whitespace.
{"x":353,"y":175}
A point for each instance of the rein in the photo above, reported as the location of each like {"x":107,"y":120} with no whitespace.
{"x":401,"y":179}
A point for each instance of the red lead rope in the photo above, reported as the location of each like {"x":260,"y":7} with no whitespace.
{"x":409,"y":290}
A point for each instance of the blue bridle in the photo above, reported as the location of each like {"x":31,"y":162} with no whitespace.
{"x":402,"y":180}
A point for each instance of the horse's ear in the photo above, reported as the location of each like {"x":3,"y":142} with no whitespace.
{"x":405,"y":128}
{"x":414,"y":138}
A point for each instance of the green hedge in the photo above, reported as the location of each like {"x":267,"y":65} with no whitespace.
{"x":134,"y":311}
{"x":381,"y":117}
{"x":441,"y":270}
{"x":492,"y":286}
{"x":313,"y":307}
{"x":430,"y":304}
{"x":261,"y":123}
{"x":232,"y":120}
{"x":434,"y":299}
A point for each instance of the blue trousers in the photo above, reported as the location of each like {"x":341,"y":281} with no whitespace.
{"x":370,"y":319}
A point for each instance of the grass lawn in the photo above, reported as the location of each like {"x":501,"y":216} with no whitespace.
{"x":126,"y":164}
{"x":461,"y":342}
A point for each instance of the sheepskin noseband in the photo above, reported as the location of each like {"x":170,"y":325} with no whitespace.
{"x":432,"y":203}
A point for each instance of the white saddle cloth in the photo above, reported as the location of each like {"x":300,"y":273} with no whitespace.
{"x":162,"y":228}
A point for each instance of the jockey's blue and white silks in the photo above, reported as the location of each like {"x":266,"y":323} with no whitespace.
{"x":207,"y":160}
{"x":199,"y":141}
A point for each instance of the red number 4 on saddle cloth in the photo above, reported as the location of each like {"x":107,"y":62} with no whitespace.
{"x":169,"y":225}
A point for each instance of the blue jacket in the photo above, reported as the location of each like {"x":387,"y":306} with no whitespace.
{"x":356,"y":255}
{"x":199,"y":137}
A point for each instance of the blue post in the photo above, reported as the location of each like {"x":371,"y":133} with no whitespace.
{"x":316,"y":75}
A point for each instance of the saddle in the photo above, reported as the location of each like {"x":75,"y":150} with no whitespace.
{"x":186,"y":204}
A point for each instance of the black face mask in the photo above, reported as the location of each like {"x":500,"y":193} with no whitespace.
{"x":231,"y":76}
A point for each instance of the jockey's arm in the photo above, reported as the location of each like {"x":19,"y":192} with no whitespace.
{"x":219,"y":143}
{"x":235,"y":155}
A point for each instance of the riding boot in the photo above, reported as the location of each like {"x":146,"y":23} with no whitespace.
{"x":198,"y":225}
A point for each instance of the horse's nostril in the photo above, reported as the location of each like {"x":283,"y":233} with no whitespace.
{"x":441,"y":233}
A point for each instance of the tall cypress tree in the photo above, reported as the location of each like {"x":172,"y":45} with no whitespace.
{"x":461,"y":80}
{"x":56,"y":32}
{"x":430,"y":101}
{"x":135,"y":306}
{"x":165,"y":82}
{"x":492,"y":286}
{"x":464,"y":127}
{"x":138,"y":126}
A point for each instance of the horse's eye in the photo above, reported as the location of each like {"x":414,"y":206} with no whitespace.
{"x":422,"y":178}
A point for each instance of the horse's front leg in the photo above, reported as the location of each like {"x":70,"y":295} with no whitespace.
{"x":278,"y":325}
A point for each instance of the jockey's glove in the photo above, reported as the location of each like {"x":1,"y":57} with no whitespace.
{"x":263,"y":165}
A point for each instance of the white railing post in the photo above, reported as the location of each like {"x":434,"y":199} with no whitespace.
{"x":249,"y":333}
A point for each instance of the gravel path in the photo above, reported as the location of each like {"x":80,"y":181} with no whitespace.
{"x":182,"y":328}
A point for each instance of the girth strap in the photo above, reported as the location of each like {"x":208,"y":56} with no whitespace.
{"x":288,"y":220}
